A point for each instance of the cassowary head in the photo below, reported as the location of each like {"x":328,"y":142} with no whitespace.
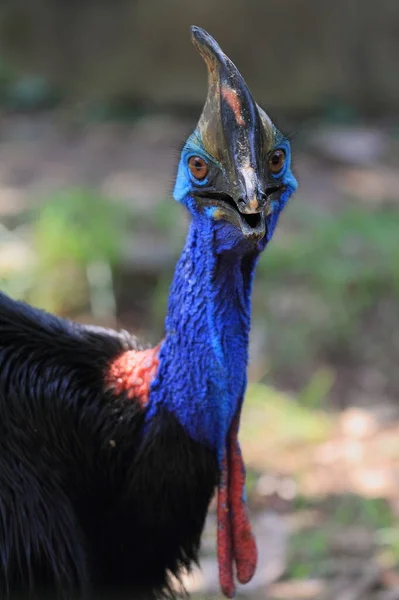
{"x":235,"y":169}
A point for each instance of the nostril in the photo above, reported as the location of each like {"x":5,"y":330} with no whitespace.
{"x":262,"y":197}
{"x":272,"y":189}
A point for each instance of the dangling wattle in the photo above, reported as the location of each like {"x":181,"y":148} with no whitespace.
{"x":236,"y":542}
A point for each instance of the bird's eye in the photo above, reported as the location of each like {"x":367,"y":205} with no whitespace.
{"x":198,"y":167}
{"x":276,"y":161}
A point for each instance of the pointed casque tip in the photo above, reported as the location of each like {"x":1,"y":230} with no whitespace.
{"x":230,"y":125}
{"x":205,"y":43}
{"x":200,"y":36}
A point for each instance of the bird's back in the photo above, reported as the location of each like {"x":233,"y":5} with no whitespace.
{"x":87,"y":499}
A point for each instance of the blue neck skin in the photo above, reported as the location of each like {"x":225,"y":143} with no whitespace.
{"x":203,"y":360}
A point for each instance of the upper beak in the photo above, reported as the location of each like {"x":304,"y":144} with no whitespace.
{"x":252,"y":206}
{"x":250,"y":198}
{"x":253,"y":197}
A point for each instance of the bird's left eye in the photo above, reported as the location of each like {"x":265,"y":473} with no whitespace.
{"x":276,"y":161}
{"x":198,"y":167}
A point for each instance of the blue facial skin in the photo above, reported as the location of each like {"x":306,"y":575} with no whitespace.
{"x":203,"y":361}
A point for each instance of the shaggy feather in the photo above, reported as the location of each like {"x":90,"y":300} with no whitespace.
{"x":87,"y":502}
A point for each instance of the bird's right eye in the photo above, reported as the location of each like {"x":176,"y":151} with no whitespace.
{"x":198,"y":167}
{"x":276,"y":161}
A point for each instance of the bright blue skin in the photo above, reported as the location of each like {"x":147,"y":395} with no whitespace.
{"x":203,"y":360}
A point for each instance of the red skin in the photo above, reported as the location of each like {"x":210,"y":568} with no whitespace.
{"x":225,"y":534}
{"x":132,"y":373}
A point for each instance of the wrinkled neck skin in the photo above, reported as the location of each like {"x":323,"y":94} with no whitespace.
{"x":203,"y":360}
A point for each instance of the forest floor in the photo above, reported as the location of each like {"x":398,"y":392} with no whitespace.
{"x":321,"y":422}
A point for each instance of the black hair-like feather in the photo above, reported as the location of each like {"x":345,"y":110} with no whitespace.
{"x":91,"y":505}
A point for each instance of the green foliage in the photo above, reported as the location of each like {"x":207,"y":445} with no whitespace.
{"x":388,"y":542}
{"x":312,"y":547}
{"x":78,"y":225}
{"x":309,"y":552}
{"x":321,"y":276}
{"x":278,"y":419}
{"x":160,"y":301}
{"x":251,"y":481}
{"x":355,"y":252}
{"x":167,"y":215}
{"x":317,"y":388}
{"x":76,"y":238}
{"x":373,"y":513}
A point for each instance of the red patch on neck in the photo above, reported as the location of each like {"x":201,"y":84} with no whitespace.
{"x":132,"y":373}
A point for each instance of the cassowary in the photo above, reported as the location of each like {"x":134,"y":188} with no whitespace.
{"x":110,"y":454}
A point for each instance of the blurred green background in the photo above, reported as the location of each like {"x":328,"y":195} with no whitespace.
{"x":96,"y":99}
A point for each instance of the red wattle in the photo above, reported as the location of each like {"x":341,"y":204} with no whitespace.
{"x":224,"y":535}
{"x":244,"y":544}
{"x":235,"y":540}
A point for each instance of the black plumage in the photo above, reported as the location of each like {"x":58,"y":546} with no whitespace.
{"x":88,"y":503}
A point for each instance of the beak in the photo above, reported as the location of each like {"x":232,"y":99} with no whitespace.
{"x":252,"y":199}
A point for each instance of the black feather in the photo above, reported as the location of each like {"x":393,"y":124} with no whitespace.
{"x":91,"y":505}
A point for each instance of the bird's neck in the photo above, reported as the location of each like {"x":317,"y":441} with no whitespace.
{"x":203,"y":360}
